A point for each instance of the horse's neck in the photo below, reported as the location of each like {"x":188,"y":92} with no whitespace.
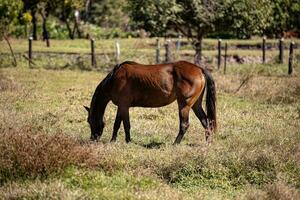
{"x":99,"y":103}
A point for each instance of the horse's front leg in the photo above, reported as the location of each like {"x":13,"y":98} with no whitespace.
{"x":116,"y":126}
{"x":124,"y":113}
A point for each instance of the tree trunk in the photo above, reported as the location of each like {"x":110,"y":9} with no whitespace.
{"x":34,"y":25}
{"x":11,"y":51}
{"x":45,"y":31}
{"x":198,"y":51}
{"x":71,"y":34}
{"x":77,"y":28}
{"x":88,"y":5}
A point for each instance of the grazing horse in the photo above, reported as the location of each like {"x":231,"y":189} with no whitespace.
{"x":132,"y":84}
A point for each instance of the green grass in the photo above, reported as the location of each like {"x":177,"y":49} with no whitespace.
{"x":255,"y":153}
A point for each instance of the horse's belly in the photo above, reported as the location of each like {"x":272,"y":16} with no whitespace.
{"x":153,"y":99}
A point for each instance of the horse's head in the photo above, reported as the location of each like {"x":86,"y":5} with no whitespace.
{"x":96,"y":126}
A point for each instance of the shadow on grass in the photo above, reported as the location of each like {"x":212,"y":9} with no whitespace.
{"x":153,"y":145}
{"x":195,"y":145}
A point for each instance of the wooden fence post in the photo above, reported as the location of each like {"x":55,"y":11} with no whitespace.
{"x":93,"y":58}
{"x":219,"y":52}
{"x":225,"y":58}
{"x":168,"y":51}
{"x":29,"y":51}
{"x":178,"y":43}
{"x":118,"y":52}
{"x":281,"y":49}
{"x":264,"y":50}
{"x":157,"y":51}
{"x":291,"y":56}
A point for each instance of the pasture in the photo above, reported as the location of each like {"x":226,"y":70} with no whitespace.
{"x":45,"y":150}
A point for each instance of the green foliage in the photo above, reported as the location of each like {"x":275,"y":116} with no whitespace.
{"x":245,"y":18}
{"x":285,"y":15}
{"x":108,"y":13}
{"x":196,"y":18}
{"x":192,"y":18}
{"x":10,"y":10}
{"x":26,"y":17}
{"x":153,"y":16}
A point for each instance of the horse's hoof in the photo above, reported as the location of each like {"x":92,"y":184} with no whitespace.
{"x":128,"y":141}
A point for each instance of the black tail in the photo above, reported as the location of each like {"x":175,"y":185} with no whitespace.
{"x":211,"y":100}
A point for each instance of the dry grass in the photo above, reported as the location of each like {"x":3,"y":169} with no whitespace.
{"x":266,"y":83}
{"x":276,"y":191}
{"x":40,"y":190}
{"x":25,"y":154}
{"x":7,"y":83}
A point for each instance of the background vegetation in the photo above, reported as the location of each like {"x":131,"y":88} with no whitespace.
{"x":121,"y":18}
{"x":45,"y":151}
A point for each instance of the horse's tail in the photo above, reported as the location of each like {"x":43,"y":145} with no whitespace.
{"x":210,"y":100}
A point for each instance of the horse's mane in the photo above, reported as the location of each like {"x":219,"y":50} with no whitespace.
{"x":98,"y":94}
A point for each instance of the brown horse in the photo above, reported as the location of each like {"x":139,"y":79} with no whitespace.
{"x":135,"y":85}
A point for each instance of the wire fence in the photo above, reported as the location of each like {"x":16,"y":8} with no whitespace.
{"x":93,"y":55}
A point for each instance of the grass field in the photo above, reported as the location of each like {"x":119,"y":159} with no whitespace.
{"x":45,"y":152}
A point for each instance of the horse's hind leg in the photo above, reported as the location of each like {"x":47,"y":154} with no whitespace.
{"x":199,"y":112}
{"x":184,"y":111}
{"x":116,"y":126}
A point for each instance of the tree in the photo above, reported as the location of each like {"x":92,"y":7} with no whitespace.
{"x":31,"y":5}
{"x":64,"y":10}
{"x":10,"y":10}
{"x":197,"y":18}
{"x":244,"y":18}
{"x":108,"y":13}
{"x":286,"y":14}
{"x":192,"y":18}
{"x":68,"y":11}
{"x":295,"y":16}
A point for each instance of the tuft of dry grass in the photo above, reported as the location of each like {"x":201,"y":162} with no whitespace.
{"x":40,"y":190}
{"x":28,"y":154}
{"x":277,"y":191}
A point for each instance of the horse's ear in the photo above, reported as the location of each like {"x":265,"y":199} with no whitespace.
{"x":87,"y":108}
